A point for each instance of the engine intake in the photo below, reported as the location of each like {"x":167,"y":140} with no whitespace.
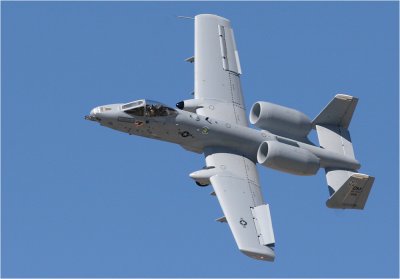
{"x":287,"y":158}
{"x":280,"y":120}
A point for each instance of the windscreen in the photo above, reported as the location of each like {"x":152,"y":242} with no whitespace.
{"x":148,"y":108}
{"x":154,"y":109}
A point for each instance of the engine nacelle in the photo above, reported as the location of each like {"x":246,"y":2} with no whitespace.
{"x":287,"y":158}
{"x":280,"y":120}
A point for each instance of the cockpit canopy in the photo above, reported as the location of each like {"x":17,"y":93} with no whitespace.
{"x":147,"y":108}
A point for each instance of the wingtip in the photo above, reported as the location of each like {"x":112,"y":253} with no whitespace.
{"x":345,"y":97}
{"x":212,"y":16}
{"x":267,"y":254}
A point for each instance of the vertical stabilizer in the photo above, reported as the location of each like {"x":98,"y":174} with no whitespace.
{"x":333,"y":122}
{"x":338,"y":112}
{"x":347,"y":188}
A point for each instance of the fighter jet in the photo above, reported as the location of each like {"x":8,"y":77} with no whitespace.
{"x":214,"y":123}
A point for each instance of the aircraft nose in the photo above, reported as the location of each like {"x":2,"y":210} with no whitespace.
{"x":94,"y":111}
{"x":92,"y":115}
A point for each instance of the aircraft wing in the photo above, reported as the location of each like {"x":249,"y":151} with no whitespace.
{"x":236,"y":185}
{"x":217,"y":70}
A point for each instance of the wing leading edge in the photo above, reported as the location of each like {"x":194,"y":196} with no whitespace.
{"x":237,"y":188}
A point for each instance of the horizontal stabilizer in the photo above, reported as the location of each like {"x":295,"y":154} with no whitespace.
{"x":353,"y":193}
{"x":338,"y":112}
{"x":336,"y":139}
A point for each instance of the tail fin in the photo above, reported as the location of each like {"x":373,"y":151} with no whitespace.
{"x":338,"y":112}
{"x":348,"y":188}
{"x":333,"y":122}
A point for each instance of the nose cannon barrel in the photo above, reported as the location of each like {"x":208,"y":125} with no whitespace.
{"x":91,"y":118}
{"x":92,"y":115}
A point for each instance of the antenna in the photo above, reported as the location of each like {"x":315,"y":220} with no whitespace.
{"x":185,"y":17}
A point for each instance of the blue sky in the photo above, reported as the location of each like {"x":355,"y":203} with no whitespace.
{"x":80,"y":200}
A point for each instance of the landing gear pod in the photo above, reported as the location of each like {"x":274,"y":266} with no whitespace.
{"x":202,"y":177}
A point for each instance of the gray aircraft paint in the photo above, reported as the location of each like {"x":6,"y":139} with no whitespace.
{"x":214,"y":123}
{"x":203,"y":132}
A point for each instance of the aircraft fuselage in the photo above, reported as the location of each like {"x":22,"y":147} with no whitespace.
{"x":196,"y":133}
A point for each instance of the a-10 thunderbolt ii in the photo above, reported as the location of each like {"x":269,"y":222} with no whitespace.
{"x":214,"y":123}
